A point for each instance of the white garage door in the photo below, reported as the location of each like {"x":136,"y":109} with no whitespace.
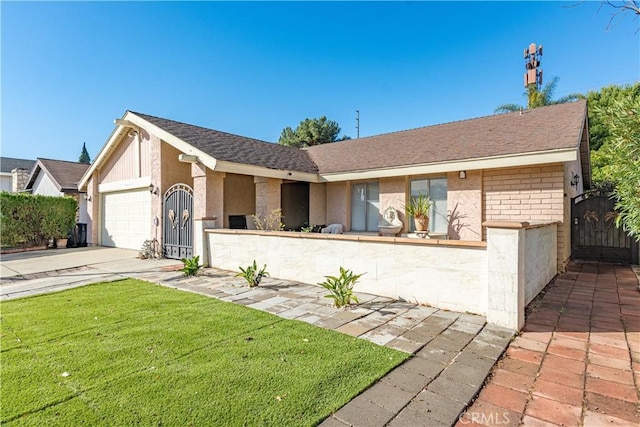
{"x":126,"y":219}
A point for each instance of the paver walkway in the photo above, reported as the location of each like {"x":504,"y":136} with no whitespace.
{"x":577,"y":361}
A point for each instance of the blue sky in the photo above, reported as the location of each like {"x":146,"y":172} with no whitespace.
{"x":69,"y":69}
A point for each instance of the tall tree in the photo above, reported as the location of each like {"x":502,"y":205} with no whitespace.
{"x":311,"y":132}
{"x":84,"y":155}
{"x":540,"y":97}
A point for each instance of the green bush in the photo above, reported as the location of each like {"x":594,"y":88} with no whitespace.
{"x":252,"y":275}
{"x":31,"y":220}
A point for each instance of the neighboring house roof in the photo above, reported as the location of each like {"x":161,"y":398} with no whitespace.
{"x":235,"y":148}
{"x":65,"y":175}
{"x":544,"y":129}
{"x":7,"y":164}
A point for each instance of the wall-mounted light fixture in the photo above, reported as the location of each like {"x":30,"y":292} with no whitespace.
{"x":575,"y":180}
{"x":463,"y":174}
{"x":153,"y":190}
{"x":87,"y":197}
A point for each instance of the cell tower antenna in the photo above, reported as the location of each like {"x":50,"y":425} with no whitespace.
{"x":533,"y":76}
{"x":357,"y":123}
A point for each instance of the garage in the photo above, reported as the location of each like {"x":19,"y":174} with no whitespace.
{"x":126,"y":219}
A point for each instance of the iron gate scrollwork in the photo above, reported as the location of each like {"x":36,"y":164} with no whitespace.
{"x":595,"y":235}
{"x":177,"y":234}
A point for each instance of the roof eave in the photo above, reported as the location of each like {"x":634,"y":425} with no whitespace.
{"x":521,"y":159}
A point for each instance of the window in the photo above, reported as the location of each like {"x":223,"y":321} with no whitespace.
{"x":365,"y":206}
{"x":436,"y":189}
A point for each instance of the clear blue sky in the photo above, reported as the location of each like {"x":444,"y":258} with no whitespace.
{"x":69,"y":69}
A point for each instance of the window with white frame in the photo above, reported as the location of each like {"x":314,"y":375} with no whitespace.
{"x":436,"y":189}
{"x":365,"y":206}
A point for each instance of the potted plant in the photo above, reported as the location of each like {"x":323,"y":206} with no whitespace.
{"x":418,"y":207}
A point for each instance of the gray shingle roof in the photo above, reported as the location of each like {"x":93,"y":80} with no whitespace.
{"x":540,"y":129}
{"x":235,"y":148}
{"x":65,"y":174}
{"x":7,"y":164}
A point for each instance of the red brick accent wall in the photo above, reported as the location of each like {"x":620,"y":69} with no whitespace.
{"x":534,"y":194}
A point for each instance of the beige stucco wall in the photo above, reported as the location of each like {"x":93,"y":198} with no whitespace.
{"x":173,"y":171}
{"x":393,"y":194}
{"x":317,"y":204}
{"x":208,"y":193}
{"x":464,"y":205}
{"x":239,"y":196}
{"x":338,"y":204}
{"x":268,"y":195}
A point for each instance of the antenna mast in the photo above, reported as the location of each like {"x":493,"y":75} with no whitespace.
{"x":357,"y":123}
{"x":532,"y":76}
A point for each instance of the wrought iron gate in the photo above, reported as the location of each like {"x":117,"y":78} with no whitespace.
{"x":594,"y":233}
{"x":177,"y":230}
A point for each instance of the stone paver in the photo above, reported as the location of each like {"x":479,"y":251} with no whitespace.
{"x":573,"y":363}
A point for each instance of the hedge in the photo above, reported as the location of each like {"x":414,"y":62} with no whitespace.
{"x":31,"y":220}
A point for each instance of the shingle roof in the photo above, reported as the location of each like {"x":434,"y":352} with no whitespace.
{"x":235,"y":148}
{"x":540,"y":129}
{"x":65,"y":174}
{"x":7,"y":164}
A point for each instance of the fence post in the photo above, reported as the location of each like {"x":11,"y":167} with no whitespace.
{"x":506,"y":273}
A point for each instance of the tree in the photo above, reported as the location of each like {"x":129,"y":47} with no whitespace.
{"x":621,"y":152}
{"x":311,"y":132}
{"x":84,"y":155}
{"x":599,"y":132}
{"x":540,"y":97}
{"x":621,"y":9}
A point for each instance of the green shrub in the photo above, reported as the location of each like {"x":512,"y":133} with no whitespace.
{"x":31,"y":220}
{"x":191,"y":265}
{"x":341,"y":288}
{"x":252,"y":275}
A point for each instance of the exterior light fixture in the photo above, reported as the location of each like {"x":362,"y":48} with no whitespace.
{"x":575,"y":180}
{"x":153,"y":190}
{"x":463,"y":174}
{"x":87,"y":197}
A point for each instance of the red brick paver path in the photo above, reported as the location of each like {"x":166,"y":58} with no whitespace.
{"x":577,"y":360}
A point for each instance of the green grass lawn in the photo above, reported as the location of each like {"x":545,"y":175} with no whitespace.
{"x":130,"y":352}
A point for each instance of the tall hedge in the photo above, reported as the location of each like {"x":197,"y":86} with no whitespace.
{"x":31,"y":220}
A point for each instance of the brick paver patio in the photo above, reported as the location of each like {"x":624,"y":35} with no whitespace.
{"x":577,"y":360}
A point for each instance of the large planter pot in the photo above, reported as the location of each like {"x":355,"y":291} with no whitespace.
{"x":422,"y":223}
{"x":61,"y":243}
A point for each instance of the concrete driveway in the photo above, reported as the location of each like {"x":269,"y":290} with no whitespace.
{"x":35,"y":272}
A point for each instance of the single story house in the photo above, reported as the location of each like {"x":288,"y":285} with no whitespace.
{"x":14,"y":173}
{"x":501,"y":186}
{"x":521,"y":166}
{"x":59,"y":178}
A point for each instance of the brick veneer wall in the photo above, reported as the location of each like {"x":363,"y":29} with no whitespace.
{"x":532,"y":194}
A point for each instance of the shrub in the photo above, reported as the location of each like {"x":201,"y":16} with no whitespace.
{"x":252,"y":275}
{"x":191,"y":266}
{"x":273,"y":221}
{"x":341,"y":288}
{"x":31,"y":220}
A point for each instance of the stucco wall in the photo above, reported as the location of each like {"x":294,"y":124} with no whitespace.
{"x":412,"y":270}
{"x":539,"y":259}
{"x":338,"y":204}
{"x":393,"y":194}
{"x":239,"y":196}
{"x":464,"y":206}
{"x":173,"y":171}
{"x":317,"y":204}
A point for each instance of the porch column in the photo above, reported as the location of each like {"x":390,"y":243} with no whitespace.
{"x":268,"y":195}
{"x":506,"y":273}
{"x":208,"y":205}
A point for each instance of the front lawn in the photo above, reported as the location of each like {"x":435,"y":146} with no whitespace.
{"x":130,"y":352}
